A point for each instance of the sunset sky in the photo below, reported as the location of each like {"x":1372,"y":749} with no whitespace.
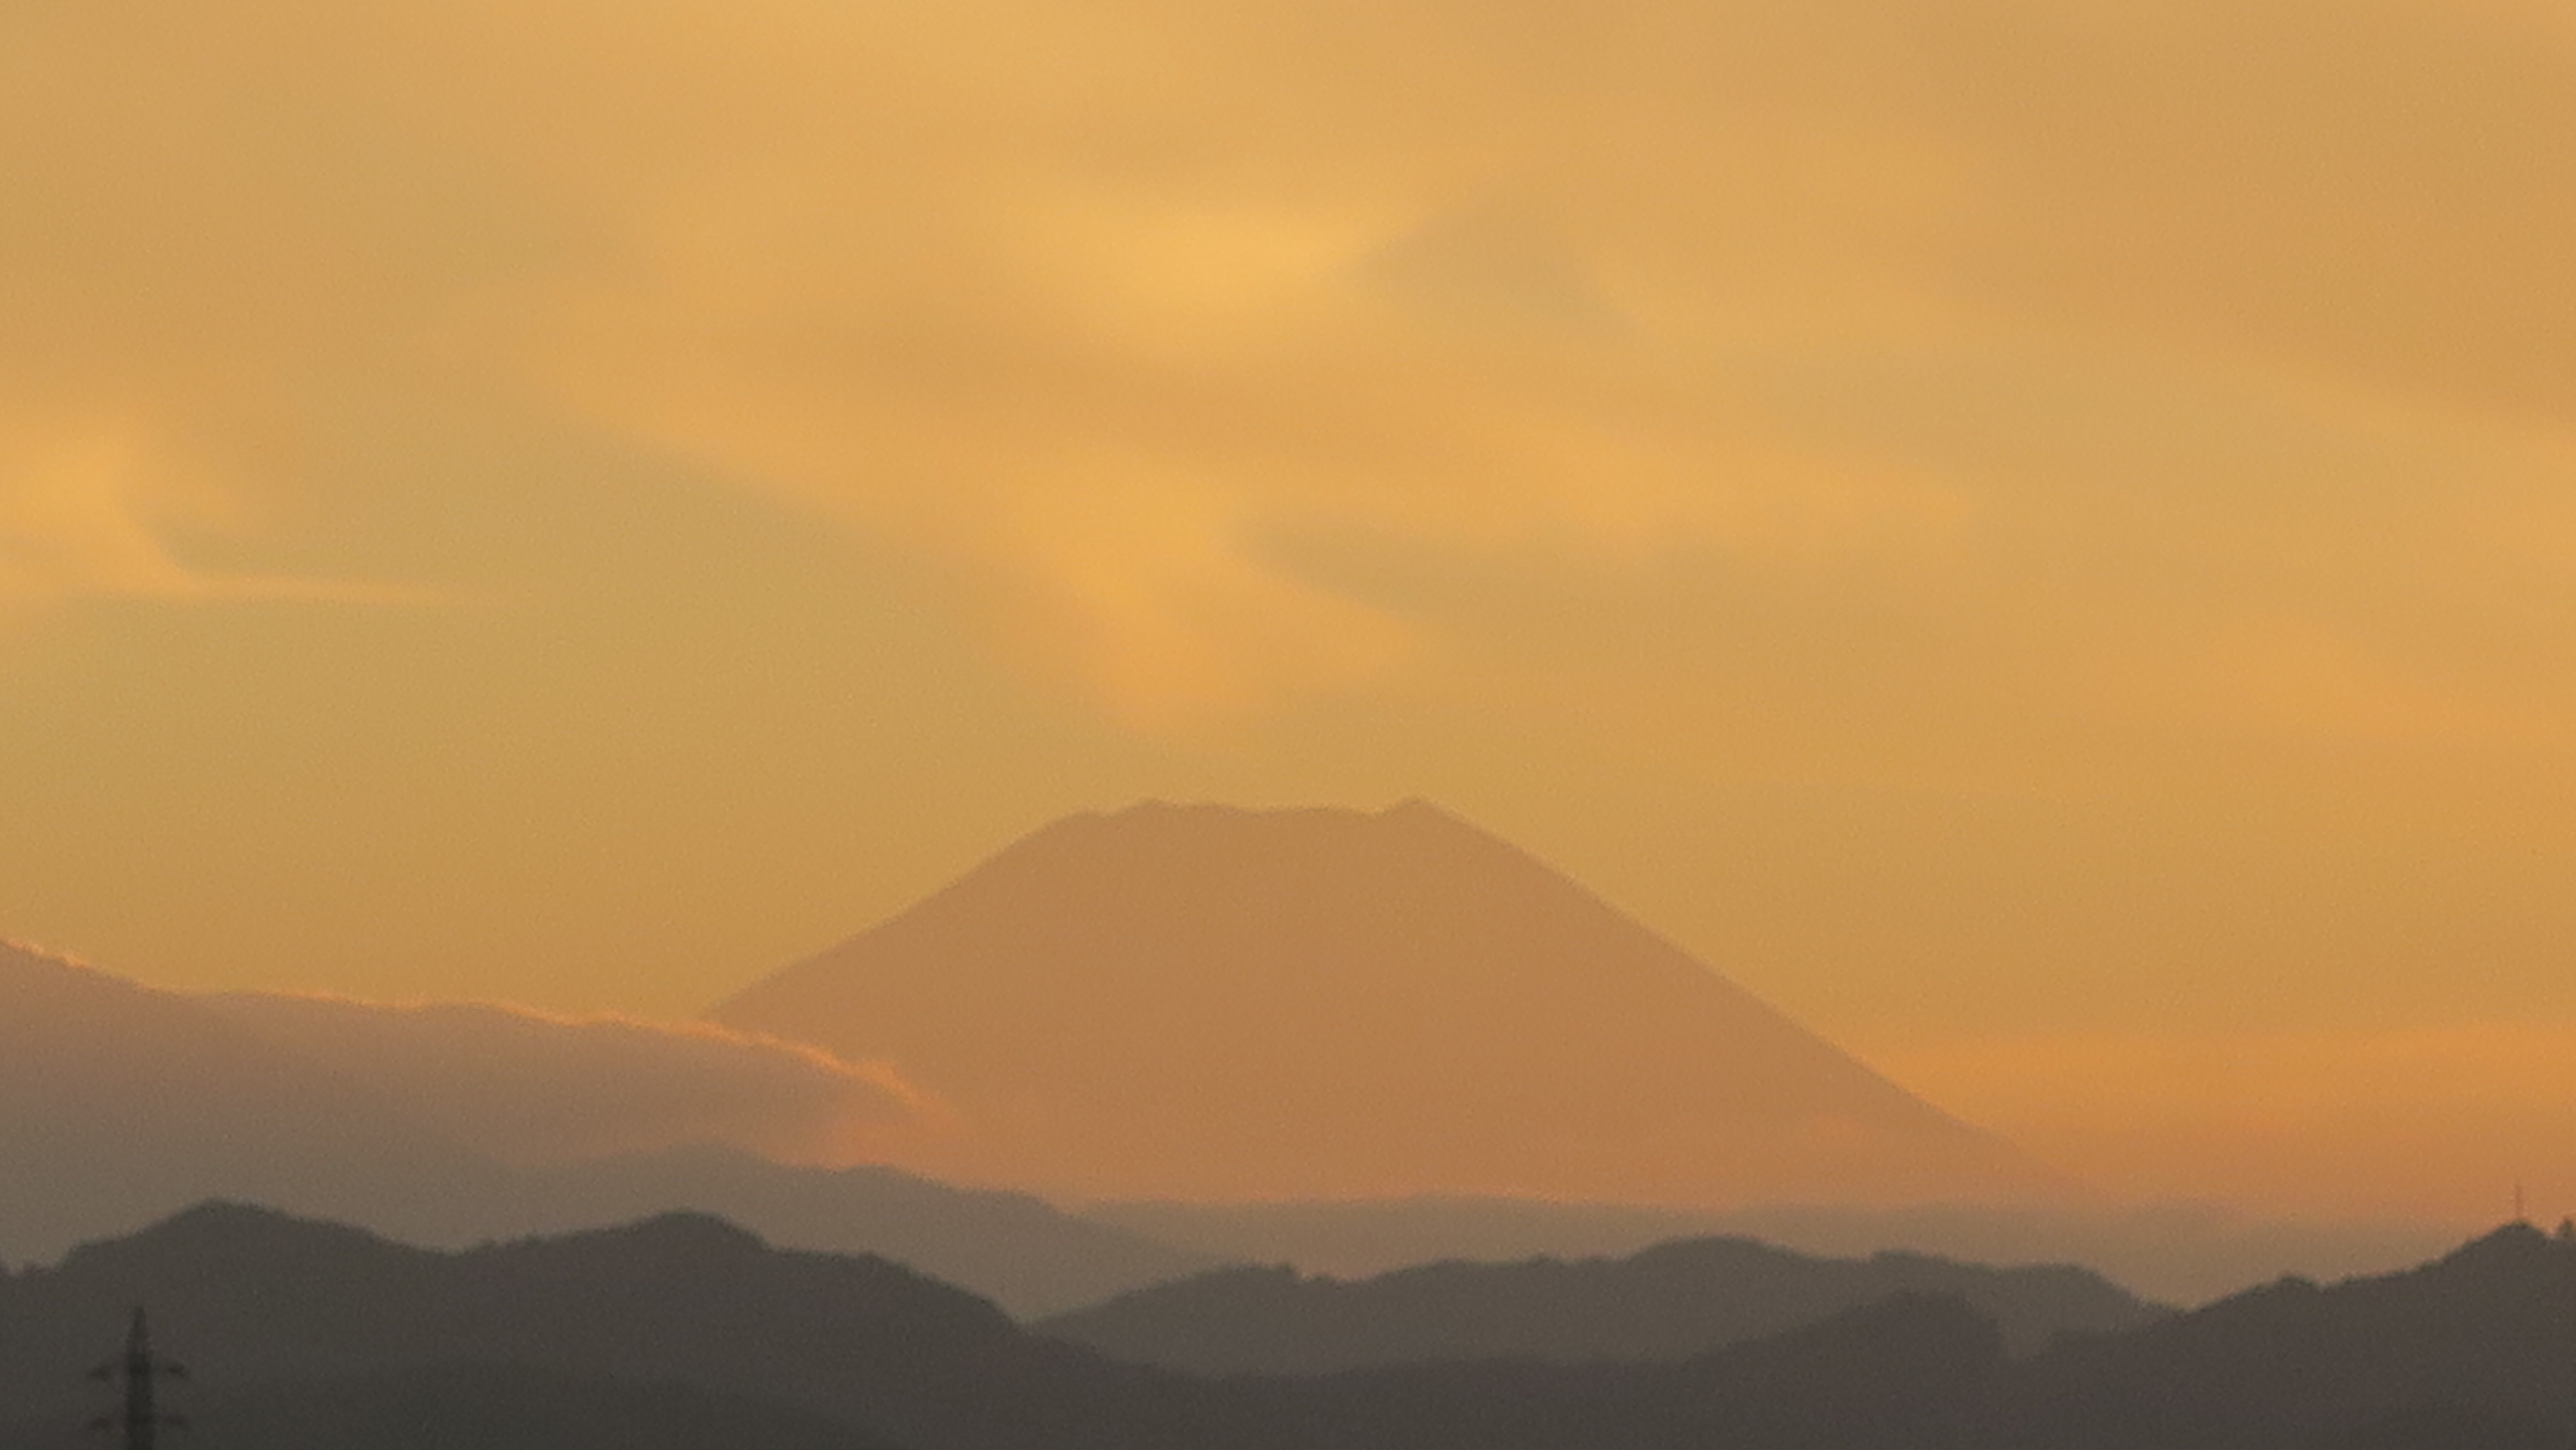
{"x":2037,"y":535}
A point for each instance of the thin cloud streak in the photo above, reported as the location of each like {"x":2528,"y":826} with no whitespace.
{"x":527,"y":1086}
{"x":75,"y":524}
{"x":1090,"y":308}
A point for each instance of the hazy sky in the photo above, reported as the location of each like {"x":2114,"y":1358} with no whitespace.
{"x":2039,"y":535}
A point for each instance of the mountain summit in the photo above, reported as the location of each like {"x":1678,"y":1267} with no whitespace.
{"x":1205,"y":1002}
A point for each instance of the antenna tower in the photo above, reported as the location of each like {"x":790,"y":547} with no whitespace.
{"x":139,"y":1417}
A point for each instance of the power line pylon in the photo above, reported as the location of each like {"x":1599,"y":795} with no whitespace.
{"x":138,"y":1369}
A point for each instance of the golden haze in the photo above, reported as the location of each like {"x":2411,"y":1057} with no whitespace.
{"x":1987,"y":519}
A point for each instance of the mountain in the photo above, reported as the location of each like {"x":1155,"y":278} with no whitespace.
{"x":120,"y":1104}
{"x":1671,"y":1302}
{"x":467,"y":1406}
{"x":1909,"y":1373}
{"x":1210,"y":1003}
{"x":1028,"y":1256}
{"x":291,"y":1327}
{"x":289,"y":1324}
{"x":251,"y":1298}
{"x":2471,"y":1351}
{"x":2177,"y":1253}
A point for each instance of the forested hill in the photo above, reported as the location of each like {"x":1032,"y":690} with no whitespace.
{"x":684,"y":1333}
{"x":1670,"y":1302}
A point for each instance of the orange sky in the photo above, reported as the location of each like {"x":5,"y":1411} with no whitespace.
{"x":2023,"y":522}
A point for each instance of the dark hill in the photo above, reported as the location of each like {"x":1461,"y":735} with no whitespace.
{"x":2475,"y":1349}
{"x":1020,"y":1251}
{"x":482,"y":1407}
{"x":248,"y":1297}
{"x":1666,"y":1303}
{"x":291,"y":1324}
{"x":1909,"y":1373}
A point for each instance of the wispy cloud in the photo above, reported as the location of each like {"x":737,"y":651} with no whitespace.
{"x":2077,"y":331}
{"x":77,"y":521}
{"x":535,"y":1087}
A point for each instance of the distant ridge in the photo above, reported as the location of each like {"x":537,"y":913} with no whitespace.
{"x":2178,"y":1253}
{"x":1670,"y":1302}
{"x":1198,"y":1001}
{"x":687,"y":1334}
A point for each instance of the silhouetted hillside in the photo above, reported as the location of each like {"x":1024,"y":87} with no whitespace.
{"x":292,"y":1325}
{"x":288,"y":1323}
{"x":1026,"y":1255}
{"x":2477,"y":1349}
{"x":248,"y":1297}
{"x":2177,"y":1253}
{"x":1667,"y":1303}
{"x":480,"y":1407}
{"x":1203,"y":1002}
{"x":1909,"y":1373}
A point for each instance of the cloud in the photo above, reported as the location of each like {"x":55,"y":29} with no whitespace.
{"x":78,"y":521}
{"x":2095,"y":338}
{"x":530,"y":1087}
{"x":68,"y":526}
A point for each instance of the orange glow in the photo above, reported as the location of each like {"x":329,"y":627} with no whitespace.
{"x":2033,"y":534}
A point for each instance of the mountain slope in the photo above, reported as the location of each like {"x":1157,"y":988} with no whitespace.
{"x":2177,"y":1253}
{"x":249,"y":1297}
{"x":1024,"y":1254}
{"x":1214,"y":1003}
{"x":2472,"y":1350}
{"x":293,"y":1324}
{"x":468,"y":1406}
{"x":1667,"y":1303}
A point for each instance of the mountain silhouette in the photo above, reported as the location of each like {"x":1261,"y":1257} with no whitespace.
{"x":2176,"y":1253}
{"x":1671,"y":1302}
{"x":290,"y":1324}
{"x":297,"y":1327}
{"x":249,"y":1297}
{"x":467,"y":1406}
{"x":1205,"y":1002}
{"x":2474,"y":1351}
{"x":1026,"y":1255}
{"x":120,"y":1104}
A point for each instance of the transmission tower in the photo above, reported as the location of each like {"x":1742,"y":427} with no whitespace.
{"x":138,"y":1369}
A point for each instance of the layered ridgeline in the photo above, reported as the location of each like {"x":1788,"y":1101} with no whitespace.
{"x":120,"y":1104}
{"x":1670,"y":1302}
{"x":1204,"y":1002}
{"x":2178,"y":1253}
{"x":686,"y":1334}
